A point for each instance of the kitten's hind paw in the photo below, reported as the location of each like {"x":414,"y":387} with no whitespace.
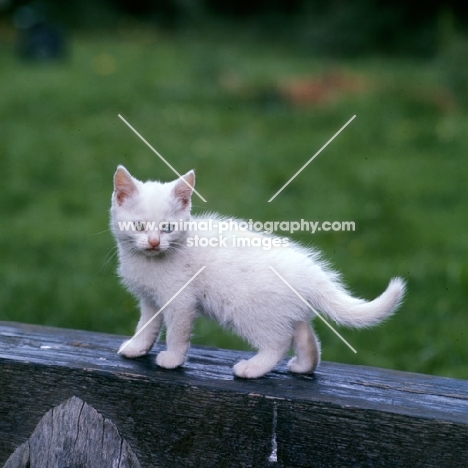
{"x":249,"y":370}
{"x":169,"y":360}
{"x":301,"y":367}
{"x":132,"y":349}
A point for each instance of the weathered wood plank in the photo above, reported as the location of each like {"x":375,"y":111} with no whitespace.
{"x":73,"y":434}
{"x":201,"y":415}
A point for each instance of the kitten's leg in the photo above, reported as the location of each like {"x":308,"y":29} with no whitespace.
{"x":178,"y":327}
{"x":261,"y":363}
{"x":140,"y":344}
{"x":307,"y":349}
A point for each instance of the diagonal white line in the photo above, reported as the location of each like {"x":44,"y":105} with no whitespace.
{"x":159,"y":155}
{"x":313,"y":310}
{"x":312,"y":158}
{"x":161,"y":309}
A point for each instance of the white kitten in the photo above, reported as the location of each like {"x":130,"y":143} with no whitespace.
{"x":236,"y":288}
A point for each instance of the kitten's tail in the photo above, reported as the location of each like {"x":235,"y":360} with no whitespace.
{"x":335,"y":302}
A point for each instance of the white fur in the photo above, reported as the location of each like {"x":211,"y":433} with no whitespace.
{"x":237,"y":288}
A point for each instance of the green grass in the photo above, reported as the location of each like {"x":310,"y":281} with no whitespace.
{"x":399,"y":171}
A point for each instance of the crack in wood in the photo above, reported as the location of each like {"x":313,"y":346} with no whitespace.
{"x":273,"y":458}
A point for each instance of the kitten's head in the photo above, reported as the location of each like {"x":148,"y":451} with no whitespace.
{"x":146,"y":216}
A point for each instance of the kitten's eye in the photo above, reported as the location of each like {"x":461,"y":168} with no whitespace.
{"x":139,"y":226}
{"x":166,"y":227}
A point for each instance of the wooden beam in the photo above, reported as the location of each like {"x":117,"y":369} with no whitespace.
{"x":200,"y":415}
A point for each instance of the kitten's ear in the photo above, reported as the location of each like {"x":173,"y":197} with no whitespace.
{"x":184,"y":188}
{"x":124,"y":185}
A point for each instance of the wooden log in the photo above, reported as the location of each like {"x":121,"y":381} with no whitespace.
{"x":201,"y":416}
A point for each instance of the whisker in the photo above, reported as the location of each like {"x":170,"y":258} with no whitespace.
{"x":98,"y":233}
{"x":111,"y":254}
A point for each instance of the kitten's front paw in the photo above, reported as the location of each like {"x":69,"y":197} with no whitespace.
{"x":249,"y":370}
{"x":132,"y":349}
{"x":169,"y":360}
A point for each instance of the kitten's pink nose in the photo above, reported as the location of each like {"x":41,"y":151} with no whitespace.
{"x":153,"y":242}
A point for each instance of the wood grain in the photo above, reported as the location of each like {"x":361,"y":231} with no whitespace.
{"x":74,"y":434}
{"x":201,"y":416}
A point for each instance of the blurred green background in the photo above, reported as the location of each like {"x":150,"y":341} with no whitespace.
{"x":245,"y":98}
